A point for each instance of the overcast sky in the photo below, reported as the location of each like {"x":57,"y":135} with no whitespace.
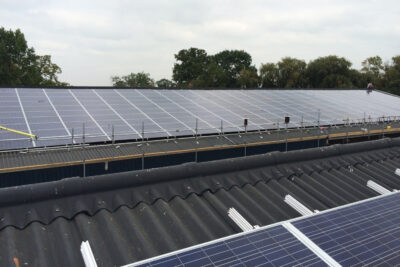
{"x":93,"y":40}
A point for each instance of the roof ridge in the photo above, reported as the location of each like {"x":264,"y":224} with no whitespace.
{"x":45,"y":202}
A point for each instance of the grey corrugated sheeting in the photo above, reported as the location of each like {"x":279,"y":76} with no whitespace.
{"x":131,"y":216}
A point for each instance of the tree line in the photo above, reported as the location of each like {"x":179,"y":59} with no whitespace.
{"x":21,"y":66}
{"x":194,"y":68}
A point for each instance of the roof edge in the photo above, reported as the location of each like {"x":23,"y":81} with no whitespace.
{"x":77,"y":185}
{"x":162,"y":88}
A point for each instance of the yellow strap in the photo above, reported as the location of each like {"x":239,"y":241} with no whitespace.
{"x":18,"y":132}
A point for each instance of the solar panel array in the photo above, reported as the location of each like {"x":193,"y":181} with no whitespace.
{"x":367,"y":234}
{"x":364,"y":234}
{"x":57,"y":115}
{"x":271,"y":247}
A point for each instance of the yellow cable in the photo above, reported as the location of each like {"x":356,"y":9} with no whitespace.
{"x":18,"y":132}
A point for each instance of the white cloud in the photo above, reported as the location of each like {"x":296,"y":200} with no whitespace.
{"x":92,"y":40}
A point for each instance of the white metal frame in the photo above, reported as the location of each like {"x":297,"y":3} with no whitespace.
{"x":89,"y":114}
{"x":24,"y":114}
{"x":310,"y":244}
{"x":115,"y":112}
{"x":163,"y":109}
{"x":141,"y":111}
{"x":185,"y":109}
{"x":209,"y":111}
{"x":378,"y":188}
{"x":240,"y":220}
{"x":57,"y":113}
{"x":87,"y":254}
{"x":297,"y":205}
{"x":255,"y":230}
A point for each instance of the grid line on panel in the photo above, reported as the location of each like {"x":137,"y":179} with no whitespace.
{"x":293,"y":104}
{"x":241,"y":107}
{"x":365,"y":233}
{"x":275,"y":107}
{"x":273,"y":246}
{"x":141,"y":111}
{"x":90,"y":115}
{"x":188,"y":111}
{"x":209,"y":111}
{"x":56,"y":111}
{"x":116,"y":113}
{"x":349,"y":103}
{"x":310,"y":244}
{"x":23,"y":113}
{"x":209,"y":107}
{"x":384,"y":211}
{"x":225,"y":108}
{"x":330,"y":100}
{"x":384,"y":101}
{"x":258,"y":100}
{"x":178,"y":120}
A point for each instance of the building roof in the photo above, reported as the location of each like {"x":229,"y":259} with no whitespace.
{"x":39,"y":117}
{"x":136,"y":215}
{"x":24,"y":159}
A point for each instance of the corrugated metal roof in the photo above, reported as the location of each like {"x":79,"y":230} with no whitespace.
{"x":131,"y":216}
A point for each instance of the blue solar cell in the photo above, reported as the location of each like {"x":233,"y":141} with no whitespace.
{"x":271,"y":246}
{"x":174,"y":112}
{"x":362,"y":234}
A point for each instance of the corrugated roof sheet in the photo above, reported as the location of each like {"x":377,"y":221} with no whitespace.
{"x":132,"y":216}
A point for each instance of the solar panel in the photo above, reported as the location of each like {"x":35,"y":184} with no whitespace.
{"x":58,"y":116}
{"x":269,"y":247}
{"x":358,"y":235}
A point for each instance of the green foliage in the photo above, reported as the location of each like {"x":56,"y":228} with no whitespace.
{"x":358,"y":79}
{"x":139,"y":79}
{"x":248,"y":78}
{"x":234,"y":69}
{"x":269,"y":75}
{"x":213,"y":76}
{"x":391,"y":76}
{"x":232,"y":62}
{"x":19,"y":65}
{"x":165,"y":83}
{"x":223,"y":70}
{"x":373,"y":65}
{"x":336,"y":81}
{"x":372,"y":71}
{"x":329,"y":72}
{"x":291,"y":73}
{"x":49,"y":72}
{"x":191,"y":64}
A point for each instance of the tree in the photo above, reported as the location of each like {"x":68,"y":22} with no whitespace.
{"x":391,"y":76}
{"x":291,"y":73}
{"x":373,"y":65}
{"x":329,"y":72}
{"x":358,"y":79}
{"x":19,"y":65}
{"x":232,"y":62}
{"x":372,"y":71}
{"x":268,"y":75}
{"x":213,"y":76}
{"x":165,"y":83}
{"x":49,"y":72}
{"x":248,"y":78}
{"x":191,"y":64}
{"x":140,"y":79}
